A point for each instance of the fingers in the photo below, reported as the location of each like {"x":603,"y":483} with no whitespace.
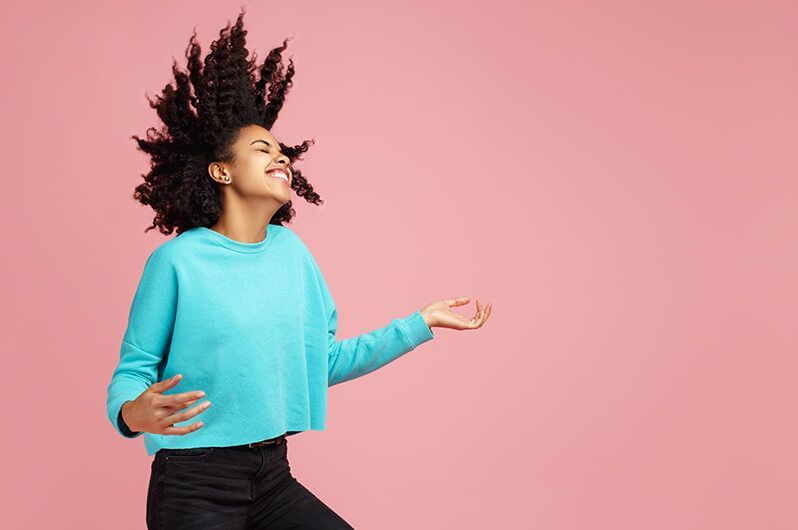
{"x":183,"y":430}
{"x":483,"y":311}
{"x":174,"y":400}
{"x":166,"y":384}
{"x":183,"y":416}
{"x":486,"y":314}
{"x":474,"y":322}
{"x":188,"y":403}
{"x":170,"y":407}
{"x":180,"y":399}
{"x":457,"y":301}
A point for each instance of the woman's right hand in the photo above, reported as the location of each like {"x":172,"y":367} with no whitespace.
{"x":155,"y":413}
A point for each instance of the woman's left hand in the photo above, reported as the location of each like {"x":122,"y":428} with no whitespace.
{"x":438,"y":314}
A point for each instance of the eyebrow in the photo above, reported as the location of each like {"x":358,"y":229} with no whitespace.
{"x":267,"y":143}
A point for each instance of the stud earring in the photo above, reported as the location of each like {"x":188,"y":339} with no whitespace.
{"x":226,"y":178}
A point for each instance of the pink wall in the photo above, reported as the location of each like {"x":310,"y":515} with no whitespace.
{"x":617,"y":178}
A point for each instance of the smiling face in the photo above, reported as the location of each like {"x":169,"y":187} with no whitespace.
{"x":259,"y":169}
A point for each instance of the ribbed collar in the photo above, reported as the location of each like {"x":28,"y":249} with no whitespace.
{"x":239,"y":246}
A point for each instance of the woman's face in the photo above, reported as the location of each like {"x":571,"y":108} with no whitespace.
{"x":254,"y":172}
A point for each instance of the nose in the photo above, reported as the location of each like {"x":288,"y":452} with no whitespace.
{"x":283,"y":159}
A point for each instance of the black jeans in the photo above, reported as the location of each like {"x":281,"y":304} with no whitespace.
{"x":238,"y":487}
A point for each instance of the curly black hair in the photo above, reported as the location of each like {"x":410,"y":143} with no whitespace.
{"x":200,"y":127}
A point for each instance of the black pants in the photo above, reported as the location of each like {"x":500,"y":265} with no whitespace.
{"x":232,"y":488}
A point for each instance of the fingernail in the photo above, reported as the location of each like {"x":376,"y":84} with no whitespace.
{"x":200,"y":393}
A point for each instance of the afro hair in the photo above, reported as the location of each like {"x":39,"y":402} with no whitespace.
{"x":202,"y":115}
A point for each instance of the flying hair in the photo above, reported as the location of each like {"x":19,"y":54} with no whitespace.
{"x":201,"y":115}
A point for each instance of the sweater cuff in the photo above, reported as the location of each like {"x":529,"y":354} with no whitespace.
{"x":118,"y":422}
{"x":416,"y":330}
{"x":124,"y":429}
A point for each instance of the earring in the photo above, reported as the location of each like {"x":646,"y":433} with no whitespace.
{"x":226,"y":178}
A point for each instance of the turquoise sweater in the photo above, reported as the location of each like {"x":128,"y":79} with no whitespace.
{"x":251,"y":324}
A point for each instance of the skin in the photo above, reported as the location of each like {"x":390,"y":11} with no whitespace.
{"x":249,"y":199}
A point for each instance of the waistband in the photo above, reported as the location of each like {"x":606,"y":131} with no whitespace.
{"x":271,"y":441}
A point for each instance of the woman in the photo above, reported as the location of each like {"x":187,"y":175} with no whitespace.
{"x":235,"y":307}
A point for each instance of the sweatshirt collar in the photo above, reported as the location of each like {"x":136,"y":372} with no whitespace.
{"x":239,"y":246}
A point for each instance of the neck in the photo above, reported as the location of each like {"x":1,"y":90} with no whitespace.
{"x":245,"y":220}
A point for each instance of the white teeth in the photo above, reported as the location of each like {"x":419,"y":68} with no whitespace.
{"x":278,"y":174}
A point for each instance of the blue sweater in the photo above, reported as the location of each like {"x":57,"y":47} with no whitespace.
{"x":251,"y":324}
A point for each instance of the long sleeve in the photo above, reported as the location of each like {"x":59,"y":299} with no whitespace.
{"x":357,"y":356}
{"x":147,"y":337}
{"x":123,"y":426}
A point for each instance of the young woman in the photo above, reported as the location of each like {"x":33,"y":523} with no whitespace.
{"x":235,"y":307}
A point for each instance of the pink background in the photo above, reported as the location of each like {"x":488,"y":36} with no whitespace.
{"x":617,"y":178}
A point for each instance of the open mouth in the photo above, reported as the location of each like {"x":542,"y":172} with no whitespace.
{"x":278,"y":173}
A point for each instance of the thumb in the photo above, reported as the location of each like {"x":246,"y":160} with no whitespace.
{"x":166,"y":384}
{"x":457,"y":301}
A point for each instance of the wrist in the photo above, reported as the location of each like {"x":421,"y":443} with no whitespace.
{"x":125,"y":413}
{"x":427,"y":317}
